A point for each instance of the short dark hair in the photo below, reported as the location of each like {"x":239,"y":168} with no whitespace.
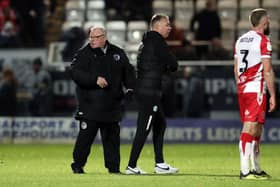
{"x":156,"y":18}
{"x":256,"y":16}
{"x":38,"y":61}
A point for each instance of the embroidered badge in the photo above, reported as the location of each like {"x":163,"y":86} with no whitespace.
{"x":83,"y":125}
{"x":116,"y":57}
{"x":155,"y":108}
{"x":269,"y":47}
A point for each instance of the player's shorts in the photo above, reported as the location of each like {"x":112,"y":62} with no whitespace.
{"x":252,"y":107}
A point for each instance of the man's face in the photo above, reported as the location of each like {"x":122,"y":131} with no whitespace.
{"x":267,"y":30}
{"x":36,"y":68}
{"x":97,"y":38}
{"x":163,"y":27}
{"x":266,"y":25}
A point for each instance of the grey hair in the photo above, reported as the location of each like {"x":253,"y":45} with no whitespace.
{"x":156,"y":18}
{"x":96,"y":28}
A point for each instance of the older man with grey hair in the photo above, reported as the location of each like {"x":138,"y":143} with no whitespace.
{"x":100,"y":70}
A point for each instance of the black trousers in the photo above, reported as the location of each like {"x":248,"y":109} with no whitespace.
{"x":110,"y":135}
{"x":150,"y":116}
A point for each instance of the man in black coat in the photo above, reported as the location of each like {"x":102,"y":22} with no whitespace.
{"x":8,"y":93}
{"x":100,"y":70}
{"x":208,"y":27}
{"x":154,"y":60}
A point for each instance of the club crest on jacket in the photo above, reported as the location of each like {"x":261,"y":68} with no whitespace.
{"x":116,"y":57}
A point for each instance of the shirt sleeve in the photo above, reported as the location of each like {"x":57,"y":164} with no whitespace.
{"x":166,"y":56}
{"x":129,"y":73}
{"x":266,"y":48}
{"x":80,"y":73}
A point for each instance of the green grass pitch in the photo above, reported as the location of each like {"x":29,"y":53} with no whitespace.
{"x":201,"y":165}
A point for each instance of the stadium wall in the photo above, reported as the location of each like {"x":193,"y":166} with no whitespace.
{"x":217,"y":97}
{"x":64,"y":130}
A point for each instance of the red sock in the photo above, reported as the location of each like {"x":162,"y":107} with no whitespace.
{"x":245,"y":138}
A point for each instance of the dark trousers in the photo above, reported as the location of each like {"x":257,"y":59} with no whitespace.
{"x":110,"y":135}
{"x":150,"y":116}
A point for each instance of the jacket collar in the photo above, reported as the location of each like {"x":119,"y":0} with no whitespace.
{"x":99,"y":50}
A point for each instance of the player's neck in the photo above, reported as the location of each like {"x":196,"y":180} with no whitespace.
{"x":258,"y":29}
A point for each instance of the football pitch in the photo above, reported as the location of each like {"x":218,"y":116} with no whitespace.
{"x":201,"y":165}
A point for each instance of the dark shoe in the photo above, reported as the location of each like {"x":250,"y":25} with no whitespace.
{"x":77,"y":170}
{"x":261,"y":174}
{"x":249,"y":176}
{"x":114,"y":171}
{"x":252,"y":176}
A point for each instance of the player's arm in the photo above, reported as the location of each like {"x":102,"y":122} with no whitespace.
{"x":269,"y":78}
{"x":162,"y":51}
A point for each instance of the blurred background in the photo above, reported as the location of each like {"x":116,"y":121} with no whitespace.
{"x":38,"y":39}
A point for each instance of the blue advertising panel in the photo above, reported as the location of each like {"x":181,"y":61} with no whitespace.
{"x":65,"y":130}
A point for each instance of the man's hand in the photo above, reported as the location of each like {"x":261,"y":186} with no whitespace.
{"x":257,"y":147}
{"x":272,"y":104}
{"x":101,"y":81}
{"x":129,"y":95}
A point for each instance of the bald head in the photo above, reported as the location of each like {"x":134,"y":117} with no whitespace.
{"x":161,"y":24}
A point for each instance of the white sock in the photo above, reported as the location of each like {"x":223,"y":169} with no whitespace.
{"x":255,"y":158}
{"x":245,"y":157}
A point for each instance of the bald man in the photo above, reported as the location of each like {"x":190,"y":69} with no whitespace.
{"x":101,"y":72}
{"x":154,"y":60}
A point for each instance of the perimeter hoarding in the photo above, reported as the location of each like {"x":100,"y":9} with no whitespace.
{"x":65,"y":130}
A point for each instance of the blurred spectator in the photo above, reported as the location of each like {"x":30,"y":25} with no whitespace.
{"x":40,"y":79}
{"x":50,"y":7}
{"x":168,"y":95}
{"x":115,"y":9}
{"x":137,"y":10}
{"x":193,"y":100}
{"x":176,"y":37}
{"x":75,"y":38}
{"x":32,"y":15}
{"x":179,"y":45}
{"x":1,"y":64}
{"x":8,"y":92}
{"x":129,"y":10}
{"x":218,"y":52}
{"x":186,"y":51}
{"x":206,"y":25}
{"x":8,"y":26}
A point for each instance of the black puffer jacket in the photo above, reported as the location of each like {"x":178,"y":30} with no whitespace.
{"x":8,"y":99}
{"x":95,"y":103}
{"x":154,"y":60}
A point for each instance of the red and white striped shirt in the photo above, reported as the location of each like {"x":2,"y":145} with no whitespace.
{"x":250,"y":48}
